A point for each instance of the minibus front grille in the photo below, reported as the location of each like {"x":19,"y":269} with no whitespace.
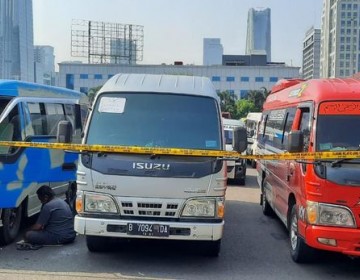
{"x":136,"y":207}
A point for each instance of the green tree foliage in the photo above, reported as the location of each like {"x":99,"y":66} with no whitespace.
{"x":228,"y":103}
{"x":92,"y":92}
{"x":243,"y":107}
{"x":257,"y":97}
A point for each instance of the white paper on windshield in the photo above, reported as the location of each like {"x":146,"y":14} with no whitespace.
{"x":112,"y":105}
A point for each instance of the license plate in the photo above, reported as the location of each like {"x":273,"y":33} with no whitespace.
{"x":147,"y":229}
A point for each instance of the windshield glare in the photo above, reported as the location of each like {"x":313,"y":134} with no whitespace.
{"x":337,"y":132}
{"x":155,"y":120}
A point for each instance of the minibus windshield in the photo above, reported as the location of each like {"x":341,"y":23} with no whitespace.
{"x":155,"y":120}
{"x":337,"y":132}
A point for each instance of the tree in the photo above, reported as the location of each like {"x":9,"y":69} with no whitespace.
{"x":92,"y":93}
{"x":228,"y":103}
{"x":243,"y":107}
{"x":258,"y":97}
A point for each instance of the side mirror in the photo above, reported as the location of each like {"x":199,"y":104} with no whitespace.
{"x":295,"y":141}
{"x":64,"y":132}
{"x":240,"y":139}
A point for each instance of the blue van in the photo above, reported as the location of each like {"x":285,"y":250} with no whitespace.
{"x":31,"y":113}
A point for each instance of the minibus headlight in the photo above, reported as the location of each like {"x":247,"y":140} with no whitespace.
{"x":199,"y":208}
{"x":99,"y":203}
{"x":329,"y":215}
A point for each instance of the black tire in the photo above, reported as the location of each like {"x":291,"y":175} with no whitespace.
{"x":300,"y":252}
{"x":240,"y":181}
{"x":265,"y":205}
{"x":97,"y":243}
{"x":211,"y":248}
{"x":11,"y":219}
{"x":71,"y":197}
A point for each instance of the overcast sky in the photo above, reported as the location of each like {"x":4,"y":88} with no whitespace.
{"x":174,"y":29}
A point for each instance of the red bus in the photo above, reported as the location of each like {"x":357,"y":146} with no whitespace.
{"x":318,"y":201}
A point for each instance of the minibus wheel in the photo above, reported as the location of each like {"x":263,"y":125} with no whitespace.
{"x":265,"y":205}
{"x":11,"y":219}
{"x":211,"y":248}
{"x":300,"y":252}
{"x":97,"y":243}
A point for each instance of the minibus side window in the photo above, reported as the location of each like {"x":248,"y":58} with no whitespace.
{"x":275,"y":128}
{"x":54,"y":114}
{"x":36,"y":120}
{"x":290,"y":115}
{"x":10,"y":130}
{"x":305,"y":127}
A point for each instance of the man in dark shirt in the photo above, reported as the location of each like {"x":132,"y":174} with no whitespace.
{"x":55,"y":224}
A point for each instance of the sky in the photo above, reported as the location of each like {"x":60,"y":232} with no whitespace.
{"x":174,"y":29}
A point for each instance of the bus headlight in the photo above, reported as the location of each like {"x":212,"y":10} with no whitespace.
{"x":329,"y":215}
{"x":99,"y":203}
{"x":200,"y":207}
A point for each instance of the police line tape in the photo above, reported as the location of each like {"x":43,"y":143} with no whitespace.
{"x":182,"y":152}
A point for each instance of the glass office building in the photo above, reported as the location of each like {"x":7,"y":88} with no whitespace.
{"x":258,"y":38}
{"x":340,"y":46}
{"x":16,"y":40}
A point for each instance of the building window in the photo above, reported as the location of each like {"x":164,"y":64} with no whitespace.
{"x":244,"y":93}
{"x":216,"y":79}
{"x":110,"y":76}
{"x":84,"y":76}
{"x":259,"y":79}
{"x":273,"y":79}
{"x":84,"y":90}
{"x":231,"y":91}
{"x":230,"y":79}
{"x":244,"y":79}
{"x":98,"y":77}
{"x":70,"y":81}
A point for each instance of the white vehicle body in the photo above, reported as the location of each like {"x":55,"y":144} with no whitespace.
{"x":236,"y":169}
{"x":252,"y":125}
{"x":153,"y":196}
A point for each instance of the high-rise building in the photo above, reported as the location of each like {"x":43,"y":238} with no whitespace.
{"x":258,"y":38}
{"x":44,"y":59}
{"x":340,"y":48}
{"x":212,"y":51}
{"x":311,"y":54}
{"x":16,"y":40}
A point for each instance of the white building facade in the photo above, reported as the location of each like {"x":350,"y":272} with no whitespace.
{"x":311,"y":54}
{"x":237,"y":80}
{"x":212,"y":51}
{"x":258,"y":38}
{"x":340,"y":48}
{"x":44,"y":59}
{"x":16,"y":40}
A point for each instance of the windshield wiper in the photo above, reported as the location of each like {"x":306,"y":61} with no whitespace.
{"x":338,"y":161}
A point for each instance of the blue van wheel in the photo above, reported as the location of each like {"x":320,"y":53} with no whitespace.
{"x":11,"y":219}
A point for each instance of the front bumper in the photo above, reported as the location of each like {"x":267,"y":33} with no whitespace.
{"x":347,"y":239}
{"x":178,"y":231}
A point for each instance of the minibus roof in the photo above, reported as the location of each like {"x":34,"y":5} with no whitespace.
{"x":316,"y":90}
{"x":14,"y":88}
{"x":180,"y":84}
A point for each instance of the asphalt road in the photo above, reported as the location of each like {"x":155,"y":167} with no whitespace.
{"x":254,"y":247}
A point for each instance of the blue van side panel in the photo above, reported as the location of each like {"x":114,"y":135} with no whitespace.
{"x":34,"y":166}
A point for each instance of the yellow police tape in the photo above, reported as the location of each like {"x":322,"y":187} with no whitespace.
{"x":182,"y":152}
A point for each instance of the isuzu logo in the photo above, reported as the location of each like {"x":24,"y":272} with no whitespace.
{"x":151,"y":166}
